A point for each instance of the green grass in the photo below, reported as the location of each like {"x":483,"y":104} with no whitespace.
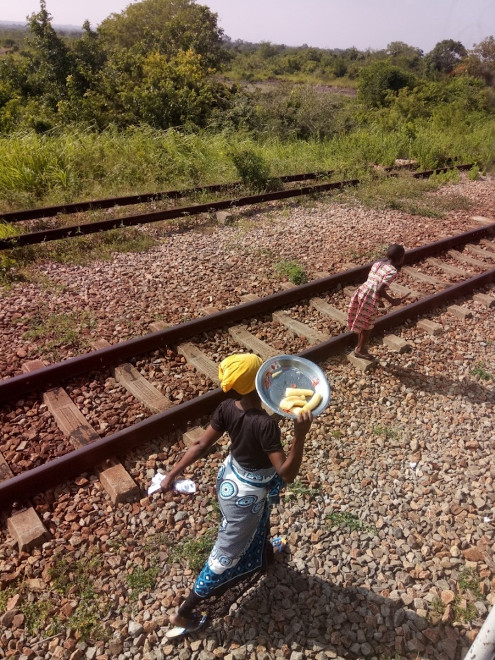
{"x":437,"y":609}
{"x":463,"y":608}
{"x":76,"y":164}
{"x":7,"y":263}
{"x":387,"y":431}
{"x":298,"y":489}
{"x":292,"y":270}
{"x":5,"y":594}
{"x":59,"y":331}
{"x":469,"y":580}
{"x":75,"y":576}
{"x":464,"y":613}
{"x":194,"y":551}
{"x":142,"y":579}
{"x":77,"y":579}
{"x":156,"y":542}
{"x":480,"y":371}
{"x":116,"y":543}
{"x":348,"y":520}
{"x":37,"y":614}
{"x":413,"y":196}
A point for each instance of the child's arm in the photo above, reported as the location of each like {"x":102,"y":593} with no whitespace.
{"x":383,"y":293}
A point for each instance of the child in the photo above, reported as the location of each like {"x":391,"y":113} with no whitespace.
{"x":363,"y":308}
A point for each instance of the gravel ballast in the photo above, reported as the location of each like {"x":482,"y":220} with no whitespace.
{"x":390,"y":528}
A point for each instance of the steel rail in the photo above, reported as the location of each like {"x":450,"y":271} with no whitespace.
{"x":128,"y":200}
{"x":74,"y":231}
{"x":54,"y":374}
{"x":167,"y":214}
{"x":84,"y":459}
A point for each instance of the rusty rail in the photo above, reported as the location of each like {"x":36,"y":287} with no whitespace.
{"x":168,"y":214}
{"x":84,"y":459}
{"x":56,"y":373}
{"x":128,"y":200}
{"x":74,"y":231}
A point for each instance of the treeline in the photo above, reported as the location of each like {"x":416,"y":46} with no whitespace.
{"x":167,"y":64}
{"x":265,"y":60}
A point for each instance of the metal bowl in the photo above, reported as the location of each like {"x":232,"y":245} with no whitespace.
{"x":283,"y":371}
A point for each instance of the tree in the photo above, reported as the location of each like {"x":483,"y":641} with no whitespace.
{"x":481,"y":61}
{"x":404,"y":56}
{"x":267,"y":50}
{"x":163,"y":92}
{"x":173,"y":92}
{"x":167,"y":27}
{"x":89,"y":59}
{"x":444,"y":57}
{"x":49,"y":59}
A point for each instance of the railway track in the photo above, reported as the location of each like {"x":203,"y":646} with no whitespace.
{"x":309,"y":320}
{"x":131,"y":200}
{"x":84,"y":229}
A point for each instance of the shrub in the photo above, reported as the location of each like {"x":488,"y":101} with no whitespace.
{"x":381,"y":80}
{"x":252,"y":169}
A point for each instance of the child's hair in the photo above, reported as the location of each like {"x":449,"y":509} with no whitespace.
{"x":395,"y":252}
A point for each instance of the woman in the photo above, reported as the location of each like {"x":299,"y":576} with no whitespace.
{"x":256,"y":467}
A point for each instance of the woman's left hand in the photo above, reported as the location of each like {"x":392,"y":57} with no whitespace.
{"x":302,"y":424}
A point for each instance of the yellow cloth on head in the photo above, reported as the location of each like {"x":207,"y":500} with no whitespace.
{"x":238,"y":372}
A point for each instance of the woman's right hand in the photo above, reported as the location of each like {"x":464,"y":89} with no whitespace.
{"x":166,"y":484}
{"x":302,"y":424}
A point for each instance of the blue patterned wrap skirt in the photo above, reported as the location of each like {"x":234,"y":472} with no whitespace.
{"x":245,"y":499}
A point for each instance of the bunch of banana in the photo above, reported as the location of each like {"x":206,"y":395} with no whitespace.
{"x":298,"y":400}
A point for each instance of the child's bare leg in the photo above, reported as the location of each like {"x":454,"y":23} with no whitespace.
{"x":363,"y":337}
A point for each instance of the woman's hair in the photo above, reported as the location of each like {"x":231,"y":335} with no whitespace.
{"x":395,"y":252}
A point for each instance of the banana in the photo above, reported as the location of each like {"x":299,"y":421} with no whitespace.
{"x":312,"y":403}
{"x":292,"y":391}
{"x":289,"y":402}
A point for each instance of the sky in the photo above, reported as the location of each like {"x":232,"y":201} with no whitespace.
{"x":320,"y":23}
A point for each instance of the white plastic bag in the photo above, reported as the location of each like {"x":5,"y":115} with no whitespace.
{"x":181,"y":485}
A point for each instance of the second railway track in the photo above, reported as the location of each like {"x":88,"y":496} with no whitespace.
{"x":121,"y":222}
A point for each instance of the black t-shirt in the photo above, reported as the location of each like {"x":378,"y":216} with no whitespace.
{"x":253,"y":432}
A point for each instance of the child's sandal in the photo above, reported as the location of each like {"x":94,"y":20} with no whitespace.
{"x":364,"y":356}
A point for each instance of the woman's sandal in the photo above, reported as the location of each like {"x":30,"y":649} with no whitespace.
{"x":196,"y":624}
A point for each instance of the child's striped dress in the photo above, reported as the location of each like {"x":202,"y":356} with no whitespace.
{"x":363,"y":308}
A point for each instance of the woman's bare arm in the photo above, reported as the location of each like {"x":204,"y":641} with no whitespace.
{"x":287,"y":466}
{"x":198,"y":449}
